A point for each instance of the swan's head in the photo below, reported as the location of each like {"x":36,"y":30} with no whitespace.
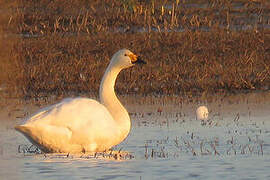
{"x":124,"y":58}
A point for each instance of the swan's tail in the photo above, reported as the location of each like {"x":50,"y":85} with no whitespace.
{"x":21,"y":128}
{"x":25,"y":130}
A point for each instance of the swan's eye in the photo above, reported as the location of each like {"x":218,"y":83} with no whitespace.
{"x":125,"y":55}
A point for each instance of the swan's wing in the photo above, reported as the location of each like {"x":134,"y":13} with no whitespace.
{"x":72,"y":113}
{"x":42,"y":113}
{"x":48,"y":138}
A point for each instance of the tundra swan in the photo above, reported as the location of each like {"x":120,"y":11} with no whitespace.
{"x":202,"y":113}
{"x":81,"y":124}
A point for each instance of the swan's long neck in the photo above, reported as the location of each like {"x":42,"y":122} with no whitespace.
{"x":110,"y":100}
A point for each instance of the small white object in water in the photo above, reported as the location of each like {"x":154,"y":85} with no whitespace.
{"x":202,"y":113}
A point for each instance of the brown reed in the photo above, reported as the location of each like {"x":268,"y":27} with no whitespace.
{"x":58,"y":47}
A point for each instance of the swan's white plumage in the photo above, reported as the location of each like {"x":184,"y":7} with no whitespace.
{"x":202,"y":113}
{"x":82,"y":124}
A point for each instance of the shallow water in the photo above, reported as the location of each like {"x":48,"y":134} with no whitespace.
{"x":169,"y":144}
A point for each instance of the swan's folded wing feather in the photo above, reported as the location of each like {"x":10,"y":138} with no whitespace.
{"x":48,"y":138}
{"x":46,"y":111}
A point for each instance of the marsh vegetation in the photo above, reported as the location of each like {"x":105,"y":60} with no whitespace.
{"x":192,"y":47}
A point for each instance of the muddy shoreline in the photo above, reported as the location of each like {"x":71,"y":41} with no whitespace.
{"x":15,"y":109}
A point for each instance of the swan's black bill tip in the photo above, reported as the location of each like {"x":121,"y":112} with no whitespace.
{"x":139,"y":61}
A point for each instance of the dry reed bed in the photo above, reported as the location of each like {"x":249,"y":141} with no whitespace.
{"x":65,"y":48}
{"x":177,"y":62}
{"x":130,"y":15}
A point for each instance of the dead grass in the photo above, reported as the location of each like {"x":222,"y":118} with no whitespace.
{"x":7,"y":42}
{"x":66,"y":48}
{"x":187,"y":63}
{"x":129,"y":15}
